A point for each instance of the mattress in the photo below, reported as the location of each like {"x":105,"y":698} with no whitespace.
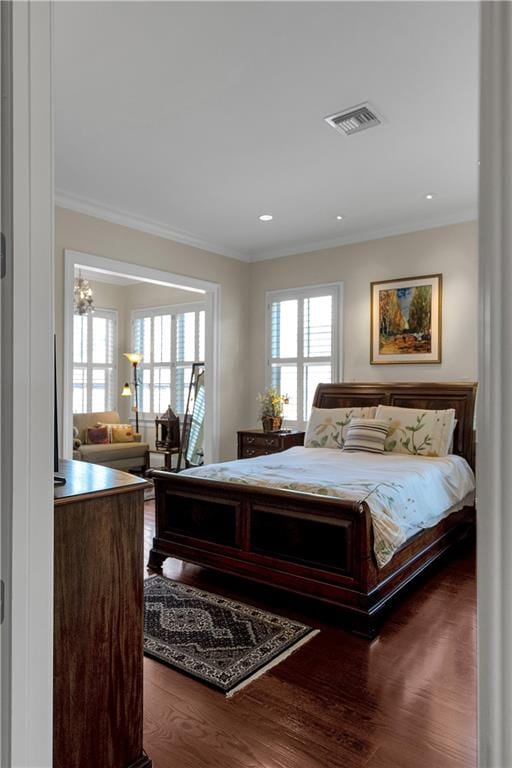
{"x":405,"y":494}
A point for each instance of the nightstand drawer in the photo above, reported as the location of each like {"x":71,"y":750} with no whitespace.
{"x":249,"y":453}
{"x":261,"y":441}
{"x":254,"y":442}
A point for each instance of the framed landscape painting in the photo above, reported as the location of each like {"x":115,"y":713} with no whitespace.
{"x":406,"y":320}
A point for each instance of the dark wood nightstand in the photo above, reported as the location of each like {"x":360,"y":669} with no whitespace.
{"x":255,"y":442}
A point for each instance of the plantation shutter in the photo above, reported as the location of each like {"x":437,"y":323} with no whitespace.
{"x":170,"y":341}
{"x":94,"y":363}
{"x":285,"y":352}
{"x":103,"y":343}
{"x":302,"y":342}
{"x":80,"y":329}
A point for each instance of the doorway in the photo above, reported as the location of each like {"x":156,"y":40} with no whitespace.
{"x":204,"y":296}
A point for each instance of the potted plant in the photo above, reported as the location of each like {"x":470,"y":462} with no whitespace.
{"x":271,"y":409}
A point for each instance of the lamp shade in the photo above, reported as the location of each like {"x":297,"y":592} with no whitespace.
{"x":133,"y":357}
{"x":127,"y":392}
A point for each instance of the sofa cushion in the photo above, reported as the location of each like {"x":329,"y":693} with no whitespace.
{"x":84,"y":420}
{"x":101,"y":453}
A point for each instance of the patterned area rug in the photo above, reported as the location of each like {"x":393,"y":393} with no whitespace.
{"x":217,"y":640}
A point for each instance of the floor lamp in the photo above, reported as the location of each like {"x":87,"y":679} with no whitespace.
{"x":134,"y":358}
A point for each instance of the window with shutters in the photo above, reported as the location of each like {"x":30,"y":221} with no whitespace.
{"x":94,"y":366}
{"x":170,"y":339}
{"x":302,"y":345}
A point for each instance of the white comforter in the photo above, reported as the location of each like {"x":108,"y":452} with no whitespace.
{"x":404,"y":493}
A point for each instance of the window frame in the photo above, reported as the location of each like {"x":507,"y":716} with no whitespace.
{"x":309,"y":291}
{"x":110,"y":396}
{"x":171,"y":309}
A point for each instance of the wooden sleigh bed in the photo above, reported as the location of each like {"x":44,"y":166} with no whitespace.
{"x":315,"y":546}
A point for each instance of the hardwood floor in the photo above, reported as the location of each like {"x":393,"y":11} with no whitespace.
{"x":404,"y":700}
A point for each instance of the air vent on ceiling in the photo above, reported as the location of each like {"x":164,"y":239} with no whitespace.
{"x":354,"y":119}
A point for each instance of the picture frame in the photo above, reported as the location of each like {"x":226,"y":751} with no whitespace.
{"x":406,"y":320}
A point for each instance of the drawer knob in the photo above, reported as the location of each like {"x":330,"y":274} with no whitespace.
{"x":250,"y":440}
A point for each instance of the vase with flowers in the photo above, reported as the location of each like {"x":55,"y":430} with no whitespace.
{"x":271,"y":409}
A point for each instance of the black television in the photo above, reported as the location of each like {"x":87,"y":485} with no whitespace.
{"x":57,"y":479}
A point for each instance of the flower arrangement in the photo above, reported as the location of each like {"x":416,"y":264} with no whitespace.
{"x":272,"y":402}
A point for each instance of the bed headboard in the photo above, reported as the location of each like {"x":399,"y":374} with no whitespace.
{"x":430,"y":396}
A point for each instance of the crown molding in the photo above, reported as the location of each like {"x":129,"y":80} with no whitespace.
{"x":363,"y":236}
{"x":98,"y":211}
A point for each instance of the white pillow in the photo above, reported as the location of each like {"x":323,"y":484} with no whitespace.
{"x":417,"y":432}
{"x":327,"y":427}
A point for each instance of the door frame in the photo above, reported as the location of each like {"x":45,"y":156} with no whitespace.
{"x":32,"y":387}
{"x":494,"y":451}
{"x":6,"y":425}
{"x":210,"y":294}
{"x":32,"y":619}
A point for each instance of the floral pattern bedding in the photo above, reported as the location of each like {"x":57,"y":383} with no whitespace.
{"x":405,"y":494}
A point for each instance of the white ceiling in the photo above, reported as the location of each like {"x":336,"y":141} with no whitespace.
{"x":191,"y":119}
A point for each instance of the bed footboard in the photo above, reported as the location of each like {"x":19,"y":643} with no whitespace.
{"x":314,"y":546}
{"x":311,"y":545}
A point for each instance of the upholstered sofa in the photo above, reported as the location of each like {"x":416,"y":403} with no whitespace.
{"x":116,"y":455}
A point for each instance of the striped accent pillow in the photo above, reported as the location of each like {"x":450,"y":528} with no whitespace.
{"x":366,"y":435}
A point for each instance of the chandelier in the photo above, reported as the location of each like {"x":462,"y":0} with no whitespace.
{"x":83,"y":300}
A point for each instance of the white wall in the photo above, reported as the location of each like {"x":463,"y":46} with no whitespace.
{"x":450,"y":250}
{"x":142,"y":295}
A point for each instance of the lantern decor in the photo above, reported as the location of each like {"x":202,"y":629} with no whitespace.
{"x":82,"y":297}
{"x":167,"y":431}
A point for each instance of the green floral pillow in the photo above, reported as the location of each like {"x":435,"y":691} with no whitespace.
{"x":417,"y":432}
{"x":327,"y":427}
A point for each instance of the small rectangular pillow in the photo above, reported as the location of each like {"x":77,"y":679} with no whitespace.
{"x":111,"y":424}
{"x":368,"y":435}
{"x":97,"y":435}
{"x":327,"y":427}
{"x":122,"y":433}
{"x":418,"y":432}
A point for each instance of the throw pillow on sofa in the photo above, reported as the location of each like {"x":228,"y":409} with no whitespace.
{"x":122,"y":433}
{"x":97,"y":436}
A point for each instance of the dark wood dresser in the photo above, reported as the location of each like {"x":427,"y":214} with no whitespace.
{"x":98,"y":619}
{"x":255,"y":442}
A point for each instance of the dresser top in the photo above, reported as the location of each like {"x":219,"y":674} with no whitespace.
{"x":278,"y":432}
{"x":86,"y":479}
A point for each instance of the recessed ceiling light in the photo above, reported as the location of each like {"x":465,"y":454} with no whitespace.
{"x":265,"y":217}
{"x":340,"y":218}
{"x":430,"y":195}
